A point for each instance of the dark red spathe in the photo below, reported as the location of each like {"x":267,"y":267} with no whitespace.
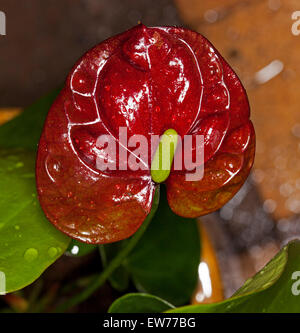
{"x":147,"y":80}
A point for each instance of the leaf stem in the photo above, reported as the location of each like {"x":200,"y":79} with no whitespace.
{"x":114,"y":264}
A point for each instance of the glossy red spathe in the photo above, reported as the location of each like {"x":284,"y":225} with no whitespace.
{"x":147,"y":80}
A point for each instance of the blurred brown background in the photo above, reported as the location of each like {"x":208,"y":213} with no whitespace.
{"x":45,"y":38}
{"x":255,"y":37}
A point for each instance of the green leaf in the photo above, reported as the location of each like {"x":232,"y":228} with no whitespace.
{"x":79,"y":249}
{"x":271,"y":290}
{"x":165,"y":261}
{"x":139,"y":303}
{"x":24,"y":131}
{"x":28,"y":242}
{"x":119,"y":279}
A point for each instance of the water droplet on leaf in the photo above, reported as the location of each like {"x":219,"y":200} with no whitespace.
{"x":19,"y":165}
{"x":31,"y":254}
{"x":52,"y":252}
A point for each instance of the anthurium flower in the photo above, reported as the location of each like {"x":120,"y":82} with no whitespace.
{"x":150,"y":81}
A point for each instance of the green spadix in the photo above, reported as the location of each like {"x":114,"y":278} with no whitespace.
{"x":163,"y":157}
